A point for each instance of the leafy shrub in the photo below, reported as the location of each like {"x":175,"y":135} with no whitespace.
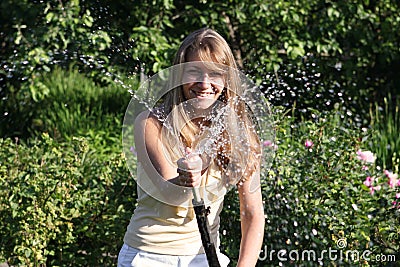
{"x":63,"y":204}
{"x":316,"y":198}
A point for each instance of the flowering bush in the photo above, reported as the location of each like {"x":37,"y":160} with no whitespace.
{"x":323,"y":192}
{"x":377,"y":180}
{"x":366,"y":156}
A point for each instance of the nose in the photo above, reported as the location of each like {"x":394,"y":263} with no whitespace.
{"x":204,"y":81}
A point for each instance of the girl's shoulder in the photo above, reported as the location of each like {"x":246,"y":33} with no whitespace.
{"x":149,"y":118}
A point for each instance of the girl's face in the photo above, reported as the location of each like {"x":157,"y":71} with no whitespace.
{"x":203,"y":82}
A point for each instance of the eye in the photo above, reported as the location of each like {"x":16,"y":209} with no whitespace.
{"x":216,"y":74}
{"x":193,"y":72}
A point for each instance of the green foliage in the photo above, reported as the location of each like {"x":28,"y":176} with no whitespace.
{"x":66,"y":103}
{"x":63,"y":204}
{"x":357,"y":36}
{"x":351,"y":42}
{"x":153,"y":48}
{"x":46,"y":35}
{"x":61,"y":26}
{"x":315,"y":196}
{"x":63,"y":197}
{"x":73,"y":104}
{"x":62,"y":194}
{"x":385,"y":125}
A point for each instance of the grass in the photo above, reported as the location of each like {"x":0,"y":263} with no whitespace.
{"x":385,"y":125}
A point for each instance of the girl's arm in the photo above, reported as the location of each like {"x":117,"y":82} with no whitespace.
{"x":162,"y":172}
{"x":252,"y":221}
{"x":149,"y":147}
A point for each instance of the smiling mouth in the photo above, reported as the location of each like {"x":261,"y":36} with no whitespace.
{"x":202,"y":94}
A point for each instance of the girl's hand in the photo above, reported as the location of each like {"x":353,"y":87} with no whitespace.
{"x":189,"y":169}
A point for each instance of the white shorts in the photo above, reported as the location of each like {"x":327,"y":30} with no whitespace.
{"x":132,"y":257}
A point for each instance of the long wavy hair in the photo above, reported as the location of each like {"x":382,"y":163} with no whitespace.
{"x":243,"y":155}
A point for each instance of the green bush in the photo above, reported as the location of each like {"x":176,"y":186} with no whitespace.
{"x":316,"y":199}
{"x":63,"y":204}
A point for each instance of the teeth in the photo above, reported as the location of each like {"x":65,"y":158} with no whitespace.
{"x":202,"y":93}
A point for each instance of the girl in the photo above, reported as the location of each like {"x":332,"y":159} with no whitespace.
{"x":205,"y":114}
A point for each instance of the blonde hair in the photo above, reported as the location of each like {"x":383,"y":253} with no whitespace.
{"x":211,"y":47}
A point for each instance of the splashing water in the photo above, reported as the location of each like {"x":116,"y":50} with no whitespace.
{"x":210,"y":142}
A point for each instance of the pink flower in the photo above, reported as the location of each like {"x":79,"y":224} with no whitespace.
{"x":373,"y":188}
{"x":398,"y":195}
{"x":393,"y":178}
{"x":269,"y":143}
{"x":364,"y":168}
{"x":308,"y":143}
{"x":366,"y":156}
{"x":368,"y":181}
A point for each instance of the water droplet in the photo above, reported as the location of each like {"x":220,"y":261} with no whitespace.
{"x":314,"y":232}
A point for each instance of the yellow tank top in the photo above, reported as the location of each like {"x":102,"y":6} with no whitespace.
{"x":162,"y":228}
